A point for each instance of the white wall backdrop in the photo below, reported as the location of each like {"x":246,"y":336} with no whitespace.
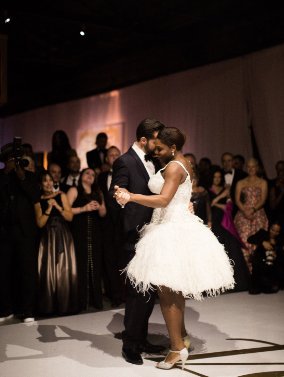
{"x":214,"y":105}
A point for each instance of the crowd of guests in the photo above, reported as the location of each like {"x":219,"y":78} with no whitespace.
{"x":245,"y":211}
{"x":60,"y":229}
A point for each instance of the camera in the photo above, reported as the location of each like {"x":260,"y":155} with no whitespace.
{"x":270,"y":256}
{"x":18,"y":153}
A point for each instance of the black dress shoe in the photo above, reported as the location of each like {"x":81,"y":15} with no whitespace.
{"x":151,"y":348}
{"x":132,"y":356}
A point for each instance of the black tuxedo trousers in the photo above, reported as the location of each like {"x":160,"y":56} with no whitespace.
{"x":129,"y":172}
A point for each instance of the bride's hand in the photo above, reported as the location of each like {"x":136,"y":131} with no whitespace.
{"x":121,"y":195}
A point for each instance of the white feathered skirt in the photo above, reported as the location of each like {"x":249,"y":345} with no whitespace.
{"x":183,"y":255}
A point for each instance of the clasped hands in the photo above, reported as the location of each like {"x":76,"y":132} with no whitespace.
{"x":121,"y":195}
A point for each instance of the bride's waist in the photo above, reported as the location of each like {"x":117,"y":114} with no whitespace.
{"x":171,"y":212}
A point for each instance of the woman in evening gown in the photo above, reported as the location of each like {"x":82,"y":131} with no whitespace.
{"x":58,"y":291}
{"x":88,"y":207}
{"x":176,"y":252}
{"x":251,"y":194}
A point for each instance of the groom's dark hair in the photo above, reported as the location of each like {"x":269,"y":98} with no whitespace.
{"x":147,"y":127}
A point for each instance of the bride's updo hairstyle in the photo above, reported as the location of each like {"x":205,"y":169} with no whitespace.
{"x":170,"y":136}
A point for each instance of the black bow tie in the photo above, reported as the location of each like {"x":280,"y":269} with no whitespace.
{"x":229,"y":172}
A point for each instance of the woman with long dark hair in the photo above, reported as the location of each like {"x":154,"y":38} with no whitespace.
{"x":58,"y":290}
{"x":88,"y":207}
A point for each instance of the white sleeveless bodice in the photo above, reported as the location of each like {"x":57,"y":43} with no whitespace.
{"x":177,"y":210}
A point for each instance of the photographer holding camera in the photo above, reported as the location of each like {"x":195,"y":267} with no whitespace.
{"x":267,"y":260}
{"x":18,"y":233}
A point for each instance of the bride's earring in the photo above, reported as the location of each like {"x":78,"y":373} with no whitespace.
{"x":173,"y":153}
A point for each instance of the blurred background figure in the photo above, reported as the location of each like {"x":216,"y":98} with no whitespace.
{"x":204,"y":171}
{"x":276,"y":195}
{"x":28,"y":150}
{"x":192,"y":159}
{"x":251,"y":195}
{"x":239,"y":162}
{"x":113,"y":281}
{"x":57,"y":269}
{"x":268,"y":260}
{"x":232,"y":175}
{"x":55,"y":172}
{"x":61,"y":151}
{"x":201,"y":202}
{"x":72,"y":178}
{"x":88,"y":207}
{"x":96,"y":157}
{"x":224,"y":229}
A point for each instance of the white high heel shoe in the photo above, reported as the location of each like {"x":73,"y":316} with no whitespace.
{"x":182,"y":356}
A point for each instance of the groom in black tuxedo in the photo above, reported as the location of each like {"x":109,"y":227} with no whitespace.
{"x":132,"y":171}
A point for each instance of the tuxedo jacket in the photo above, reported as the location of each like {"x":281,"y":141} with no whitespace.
{"x":63,"y":184}
{"x":129,"y":172}
{"x":93,"y":158}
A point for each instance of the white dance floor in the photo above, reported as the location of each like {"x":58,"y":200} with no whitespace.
{"x":233,"y":335}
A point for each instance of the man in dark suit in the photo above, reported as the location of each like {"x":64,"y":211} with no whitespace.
{"x":19,"y":191}
{"x":72,"y":178}
{"x":113,"y":281}
{"x":96,"y":157}
{"x":231,"y":175}
{"x":55,"y":171}
{"x":132,"y":171}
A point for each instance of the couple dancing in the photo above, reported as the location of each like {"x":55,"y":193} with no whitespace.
{"x":167,"y":250}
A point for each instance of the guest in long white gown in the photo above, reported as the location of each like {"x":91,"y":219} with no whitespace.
{"x":176,"y":252}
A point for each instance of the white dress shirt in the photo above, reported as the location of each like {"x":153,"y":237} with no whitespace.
{"x":141,"y":154}
{"x":70,"y":178}
{"x":109,"y":178}
{"x":229,"y":177}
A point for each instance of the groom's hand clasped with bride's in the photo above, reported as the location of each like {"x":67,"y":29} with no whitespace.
{"x":121,"y":195}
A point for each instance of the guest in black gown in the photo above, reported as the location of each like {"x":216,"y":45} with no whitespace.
{"x":224,"y":229}
{"x":88,"y":207}
{"x":58,"y":290}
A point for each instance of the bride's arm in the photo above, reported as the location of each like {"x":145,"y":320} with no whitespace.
{"x":174,"y":175}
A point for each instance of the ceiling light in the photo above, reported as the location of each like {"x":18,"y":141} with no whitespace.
{"x":7,"y":20}
{"x":82,"y":33}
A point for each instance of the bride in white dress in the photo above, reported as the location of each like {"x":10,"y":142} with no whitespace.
{"x":176,"y":252}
